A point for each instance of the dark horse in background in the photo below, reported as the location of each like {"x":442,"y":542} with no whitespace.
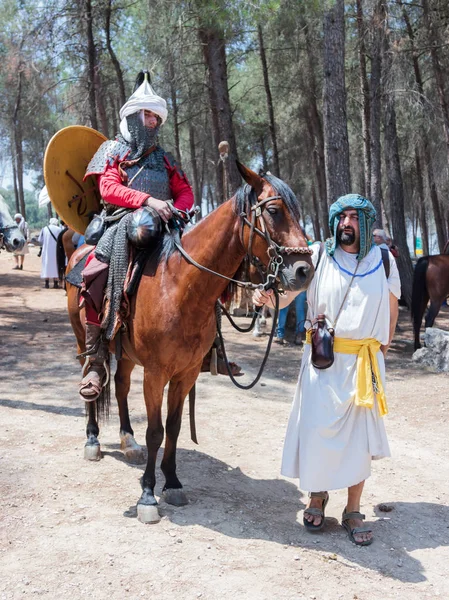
{"x":11,"y":237}
{"x":430,"y":281}
{"x":172,"y":320}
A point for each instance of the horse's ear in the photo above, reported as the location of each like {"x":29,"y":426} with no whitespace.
{"x":251,"y":178}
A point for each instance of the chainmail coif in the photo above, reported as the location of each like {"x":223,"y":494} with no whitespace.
{"x":113,"y":250}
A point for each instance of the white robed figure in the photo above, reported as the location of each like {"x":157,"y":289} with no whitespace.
{"x":330,"y":441}
{"x":48,"y":237}
{"x":336,"y":425}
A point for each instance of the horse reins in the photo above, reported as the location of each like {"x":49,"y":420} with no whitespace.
{"x":274,"y":251}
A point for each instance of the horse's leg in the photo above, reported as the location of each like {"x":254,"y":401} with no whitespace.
{"x":92,"y":450}
{"x":177,"y":391}
{"x":434,"y":309}
{"x":153,"y":389}
{"x":132,"y":451}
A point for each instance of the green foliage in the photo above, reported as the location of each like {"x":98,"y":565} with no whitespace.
{"x":45,"y":43}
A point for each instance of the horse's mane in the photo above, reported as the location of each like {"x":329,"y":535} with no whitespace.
{"x":164,"y":249}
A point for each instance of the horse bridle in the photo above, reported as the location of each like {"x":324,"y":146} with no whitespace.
{"x":274,"y":250}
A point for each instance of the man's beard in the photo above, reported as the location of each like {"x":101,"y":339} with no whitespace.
{"x":346,"y":238}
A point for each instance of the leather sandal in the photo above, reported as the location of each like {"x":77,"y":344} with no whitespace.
{"x":316,"y":512}
{"x":346,"y":517}
{"x":92,"y":384}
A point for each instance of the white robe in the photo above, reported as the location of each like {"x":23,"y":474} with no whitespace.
{"x":330,"y":441}
{"x":49,"y":268}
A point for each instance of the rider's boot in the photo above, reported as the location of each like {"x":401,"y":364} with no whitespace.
{"x":96,"y":366}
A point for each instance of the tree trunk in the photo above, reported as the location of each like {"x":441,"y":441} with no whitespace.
{"x":321,"y":207}
{"x":214,"y":52}
{"x":315,"y":127}
{"x":174,"y":102}
{"x":336,"y":145}
{"x":272,"y":126}
{"x":437,"y":69}
{"x":263,"y":152}
{"x":315,"y":216}
{"x":196,"y":182}
{"x":378,"y":24}
{"x":396,"y":191}
{"x":427,"y":155}
{"x":113,"y":56}
{"x":18,"y":148}
{"x":99,"y":98}
{"x":421,"y":204}
{"x":14,"y":173}
{"x":365,"y":92}
{"x":114,"y":114}
{"x":91,"y":61}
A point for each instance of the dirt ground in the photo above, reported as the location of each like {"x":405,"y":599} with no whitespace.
{"x":69,"y":527}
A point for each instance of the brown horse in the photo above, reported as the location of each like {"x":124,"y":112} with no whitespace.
{"x":430,"y":280}
{"x":172,"y":320}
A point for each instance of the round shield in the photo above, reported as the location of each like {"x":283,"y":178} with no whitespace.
{"x":66,"y":158}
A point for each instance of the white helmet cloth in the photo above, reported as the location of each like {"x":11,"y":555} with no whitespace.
{"x":144,"y":98}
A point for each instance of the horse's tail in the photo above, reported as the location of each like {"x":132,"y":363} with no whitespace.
{"x":420,"y":296}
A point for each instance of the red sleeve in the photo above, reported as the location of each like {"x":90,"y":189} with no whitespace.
{"x":113,"y":191}
{"x":180,"y":187}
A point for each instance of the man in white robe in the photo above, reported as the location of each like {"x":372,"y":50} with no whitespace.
{"x":19,"y":255}
{"x":48,"y":237}
{"x":336,"y":424}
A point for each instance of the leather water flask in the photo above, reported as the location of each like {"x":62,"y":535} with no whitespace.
{"x":322,"y":344}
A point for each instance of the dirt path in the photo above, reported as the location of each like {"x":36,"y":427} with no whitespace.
{"x":68,"y":527}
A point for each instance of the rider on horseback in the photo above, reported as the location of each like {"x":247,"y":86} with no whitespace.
{"x":133,"y":171}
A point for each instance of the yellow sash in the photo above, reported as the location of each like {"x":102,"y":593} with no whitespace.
{"x":367,"y":365}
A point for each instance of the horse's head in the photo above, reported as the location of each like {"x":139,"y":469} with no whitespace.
{"x":271,"y":229}
{"x":10,"y":235}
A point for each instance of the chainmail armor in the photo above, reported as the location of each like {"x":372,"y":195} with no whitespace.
{"x":153,"y":179}
{"x":142,"y":137}
{"x":107,"y":154}
{"x":113,"y":249}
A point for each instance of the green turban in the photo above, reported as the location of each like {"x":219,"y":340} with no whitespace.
{"x":367,"y":217}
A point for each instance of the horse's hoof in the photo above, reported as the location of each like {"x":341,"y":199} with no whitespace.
{"x":92,"y":451}
{"x":137,"y":456}
{"x":148,"y":513}
{"x":177,"y":497}
{"x":133,"y":453}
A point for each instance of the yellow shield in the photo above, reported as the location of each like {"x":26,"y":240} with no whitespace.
{"x":66,"y":158}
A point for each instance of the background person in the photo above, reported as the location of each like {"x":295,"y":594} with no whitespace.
{"x":300,"y":309}
{"x":19,"y":255}
{"x":48,"y":237}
